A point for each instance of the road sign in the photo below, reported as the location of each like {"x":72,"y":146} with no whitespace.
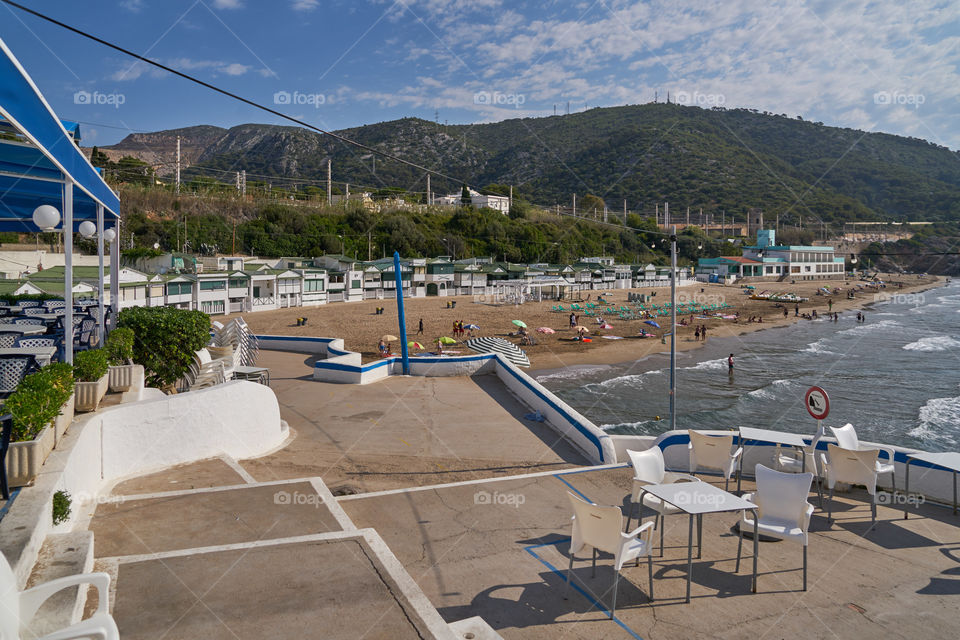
{"x":818,"y":403}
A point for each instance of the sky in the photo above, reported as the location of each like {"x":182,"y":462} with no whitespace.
{"x":876,"y":66}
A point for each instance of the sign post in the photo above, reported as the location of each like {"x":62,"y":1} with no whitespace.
{"x":818,"y":406}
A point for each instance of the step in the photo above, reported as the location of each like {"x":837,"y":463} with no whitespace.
{"x":61,"y":555}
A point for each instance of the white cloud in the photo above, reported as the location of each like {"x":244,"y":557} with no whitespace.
{"x":130,"y":72}
{"x":305,"y":5}
{"x":134,"y":6}
{"x":227,"y":4}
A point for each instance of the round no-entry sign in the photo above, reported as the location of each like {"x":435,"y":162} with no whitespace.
{"x":818,"y":403}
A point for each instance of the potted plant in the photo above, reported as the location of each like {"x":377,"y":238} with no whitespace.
{"x":90,"y":371}
{"x":119,"y":349}
{"x":61,"y":376}
{"x":35,"y":406}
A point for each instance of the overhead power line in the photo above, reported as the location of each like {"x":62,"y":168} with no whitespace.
{"x":230,"y":94}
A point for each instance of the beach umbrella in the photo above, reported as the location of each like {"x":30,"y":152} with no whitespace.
{"x":545,"y":330}
{"x":446,"y":340}
{"x":472,"y":327}
{"x":652,"y":323}
{"x":520,"y":323}
{"x":499,"y":346}
{"x":389,"y":338}
{"x":580,"y":327}
{"x":415,"y":345}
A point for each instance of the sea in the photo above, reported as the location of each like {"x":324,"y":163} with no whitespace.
{"x":895,"y":377}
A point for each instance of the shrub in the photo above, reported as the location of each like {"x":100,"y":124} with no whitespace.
{"x":120,"y":346}
{"x":90,"y":366}
{"x":165,"y":339}
{"x":61,"y":506}
{"x":38,"y":398}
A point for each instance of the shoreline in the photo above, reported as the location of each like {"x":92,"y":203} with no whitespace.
{"x":358,"y":324}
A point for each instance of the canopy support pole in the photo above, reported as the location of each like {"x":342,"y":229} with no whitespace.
{"x":101,"y":319}
{"x":68,"y":270}
{"x":115,"y":279}
{"x":400,"y":316}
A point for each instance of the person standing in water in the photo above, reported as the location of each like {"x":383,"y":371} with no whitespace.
{"x":730,"y":363}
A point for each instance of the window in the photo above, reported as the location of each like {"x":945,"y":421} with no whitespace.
{"x":179,"y":288}
{"x":213,"y":285}
{"x":355,"y":284}
{"x":312,"y":286}
{"x":238,"y":283}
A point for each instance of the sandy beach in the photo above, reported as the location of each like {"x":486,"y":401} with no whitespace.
{"x":360,"y":327}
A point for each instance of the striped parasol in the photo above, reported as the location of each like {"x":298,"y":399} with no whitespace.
{"x":498,"y":345}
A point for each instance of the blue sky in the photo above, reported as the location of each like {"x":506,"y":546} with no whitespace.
{"x":878,"y":66}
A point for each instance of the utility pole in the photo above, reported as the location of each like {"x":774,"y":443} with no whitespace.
{"x":510,"y":205}
{"x":238,"y":183}
{"x":624,"y":212}
{"x":688,"y":216}
{"x":429,"y":198}
{"x":243,"y":182}
{"x":329,"y":184}
{"x":666,"y":214}
{"x":574,"y":205}
{"x":673,"y":329}
{"x":656,"y":212}
{"x":178,"y":165}
{"x":723,"y":224}
{"x":233,"y":250}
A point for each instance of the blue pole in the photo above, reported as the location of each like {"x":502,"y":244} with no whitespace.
{"x":400,"y":316}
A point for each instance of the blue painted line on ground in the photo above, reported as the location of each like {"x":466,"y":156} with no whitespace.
{"x":574,"y":489}
{"x":13,"y":496}
{"x":577,"y":587}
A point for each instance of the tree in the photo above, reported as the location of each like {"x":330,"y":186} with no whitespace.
{"x":591,"y":205}
{"x":465,"y":198}
{"x":99,"y":158}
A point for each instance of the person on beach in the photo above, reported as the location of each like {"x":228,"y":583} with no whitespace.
{"x":730,"y":363}
{"x":420,"y":329}
{"x":830,"y":305}
{"x":439,"y":347}
{"x":696,"y":334}
{"x":785,"y":314}
{"x":814,"y":314}
{"x":796,"y":310}
{"x":703,"y":332}
{"x":573,"y":321}
{"x":382,"y":348}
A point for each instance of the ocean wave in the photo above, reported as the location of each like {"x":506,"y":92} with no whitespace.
{"x":573,"y":372}
{"x":818,"y":348}
{"x":935,"y":343}
{"x":763,"y":393}
{"x":951,"y":300}
{"x":781,"y":383}
{"x":641,"y":427}
{"x":630,"y":380}
{"x":938,"y":417}
{"x":708,"y":365}
{"x":872,"y":326}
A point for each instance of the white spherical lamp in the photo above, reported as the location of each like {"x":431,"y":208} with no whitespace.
{"x":109,"y":236}
{"x":87,"y":229}
{"x":46,"y":217}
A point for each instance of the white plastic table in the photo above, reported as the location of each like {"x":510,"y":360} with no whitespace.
{"x":698,"y":498}
{"x":949,"y":461}
{"x":774,"y":437}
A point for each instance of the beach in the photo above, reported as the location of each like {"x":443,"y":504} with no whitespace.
{"x":361,"y":328}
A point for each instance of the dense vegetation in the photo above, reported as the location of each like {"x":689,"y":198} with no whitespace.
{"x":718,"y":160}
{"x":165,"y":339}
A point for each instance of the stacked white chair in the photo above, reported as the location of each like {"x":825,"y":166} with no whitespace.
{"x":237,"y":334}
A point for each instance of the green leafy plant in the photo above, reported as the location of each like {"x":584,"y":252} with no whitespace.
{"x":37,"y":400}
{"x":61,"y":506}
{"x":119,"y":346}
{"x":90,"y":366}
{"x":165,"y":339}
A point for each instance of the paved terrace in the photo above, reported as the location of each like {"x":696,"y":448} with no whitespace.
{"x":206,"y":550}
{"x":403,"y":432}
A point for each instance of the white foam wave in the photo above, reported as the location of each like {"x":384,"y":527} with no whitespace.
{"x":872,"y":326}
{"x":818,"y":348}
{"x":635,"y":379}
{"x":781,"y":382}
{"x":572,"y":373}
{"x":937,"y":418}
{"x":951,"y":300}
{"x":709,"y":365}
{"x":935,"y":343}
{"x":640,"y":427}
{"x":763,"y":393}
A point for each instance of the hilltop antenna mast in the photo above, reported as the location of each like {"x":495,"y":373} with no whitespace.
{"x":178,"y":165}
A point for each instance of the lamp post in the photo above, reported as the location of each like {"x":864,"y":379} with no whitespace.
{"x":89,"y":230}
{"x":673,"y":329}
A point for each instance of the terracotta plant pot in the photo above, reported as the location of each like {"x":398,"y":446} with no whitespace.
{"x":89,"y":394}
{"x":121,"y":377}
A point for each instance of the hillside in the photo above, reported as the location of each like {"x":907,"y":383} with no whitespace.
{"x":712,"y":159}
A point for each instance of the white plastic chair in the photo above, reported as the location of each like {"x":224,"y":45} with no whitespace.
{"x":600,"y":527}
{"x":847,"y":438}
{"x":17,"y":608}
{"x":784,"y":510}
{"x":650,"y":468}
{"x":851,"y":467}
{"x":713,"y":452}
{"x":794,"y":461}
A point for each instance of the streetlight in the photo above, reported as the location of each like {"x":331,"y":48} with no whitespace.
{"x":341,"y":244}
{"x":46,"y":217}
